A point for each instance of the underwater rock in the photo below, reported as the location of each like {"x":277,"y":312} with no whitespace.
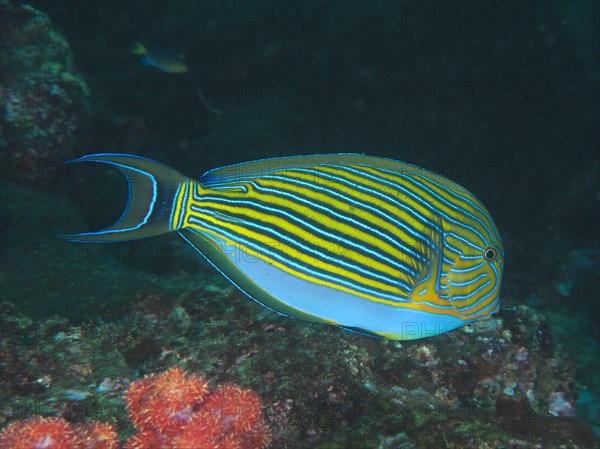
{"x":43,"y":97}
{"x":503,"y":382}
{"x":517,"y":417}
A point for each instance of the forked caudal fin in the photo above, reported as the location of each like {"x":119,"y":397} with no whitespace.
{"x":153,"y":189}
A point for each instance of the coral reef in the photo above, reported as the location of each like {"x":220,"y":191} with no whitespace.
{"x":57,"y":433}
{"x":171,"y":410}
{"x":43,"y":97}
{"x":166,"y":402}
{"x":178,"y":411}
{"x":500,"y":383}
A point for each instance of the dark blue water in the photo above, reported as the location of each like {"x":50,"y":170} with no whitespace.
{"x":501,"y":97}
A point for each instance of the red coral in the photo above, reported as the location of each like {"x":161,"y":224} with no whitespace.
{"x":202,"y":436}
{"x":239,"y":408}
{"x":97,"y":435}
{"x":203,"y":430}
{"x":229,"y":442}
{"x":56,"y":433}
{"x":149,"y":439}
{"x":259,"y":437}
{"x":165,"y":402}
{"x":38,"y":432}
{"x":174,"y":410}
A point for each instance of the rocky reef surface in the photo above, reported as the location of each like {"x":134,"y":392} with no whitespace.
{"x":500,"y":383}
{"x":45,"y":102}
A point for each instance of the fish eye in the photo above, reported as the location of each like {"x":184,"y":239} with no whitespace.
{"x":490,"y":253}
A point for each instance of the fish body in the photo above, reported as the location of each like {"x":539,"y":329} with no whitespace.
{"x":368,"y":244}
{"x":162,"y":58}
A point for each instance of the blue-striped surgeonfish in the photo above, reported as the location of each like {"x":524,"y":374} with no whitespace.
{"x":365,"y":243}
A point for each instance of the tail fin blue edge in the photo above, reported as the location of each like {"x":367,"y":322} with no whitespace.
{"x":153,"y":189}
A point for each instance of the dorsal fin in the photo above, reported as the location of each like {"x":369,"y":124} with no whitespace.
{"x":248,"y":170}
{"x":235,"y":172}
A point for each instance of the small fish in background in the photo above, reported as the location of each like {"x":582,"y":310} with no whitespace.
{"x":162,"y":58}
{"x":169,"y":61}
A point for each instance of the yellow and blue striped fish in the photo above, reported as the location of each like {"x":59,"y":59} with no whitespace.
{"x":368,"y":244}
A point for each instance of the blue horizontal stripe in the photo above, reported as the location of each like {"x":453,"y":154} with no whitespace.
{"x":301,"y":268}
{"x":304,"y":223}
{"x":295,"y":244}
